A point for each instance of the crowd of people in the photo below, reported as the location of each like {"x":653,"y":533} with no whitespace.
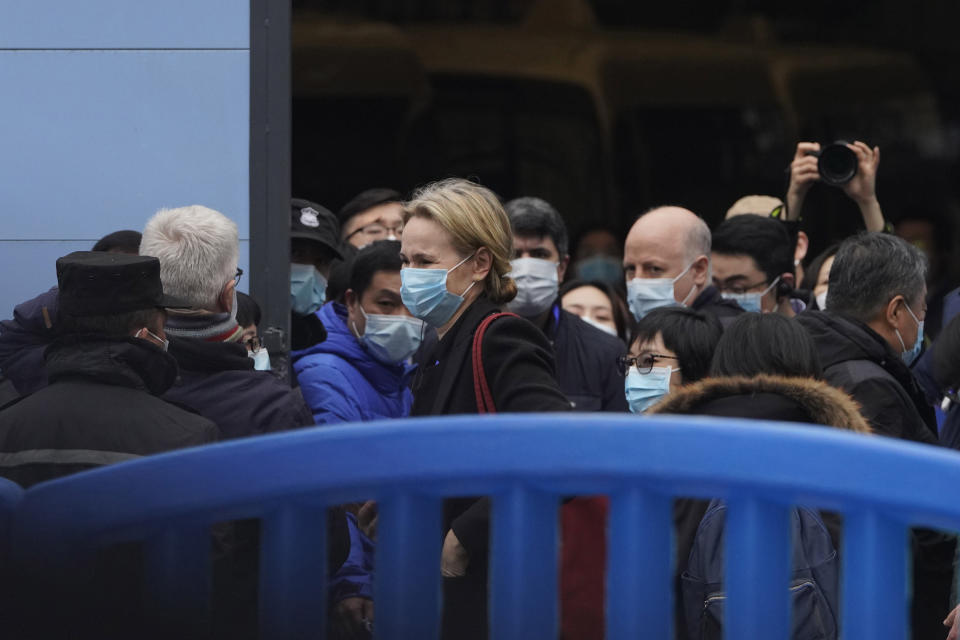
{"x":453,"y":301}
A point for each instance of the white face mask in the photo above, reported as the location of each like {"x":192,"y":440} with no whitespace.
{"x":603,"y":327}
{"x":537,"y":284}
{"x":261,"y":359}
{"x":822,"y":301}
{"x":646,"y":294}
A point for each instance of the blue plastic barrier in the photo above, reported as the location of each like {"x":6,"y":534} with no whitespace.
{"x":10,"y":496}
{"x":525,"y":463}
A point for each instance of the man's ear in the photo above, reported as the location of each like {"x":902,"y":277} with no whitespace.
{"x":893,"y":312}
{"x":562,"y":268}
{"x":699,"y":269}
{"x":225,"y":300}
{"x":800,"y":251}
{"x":350,"y":298}
{"x":482,"y":264}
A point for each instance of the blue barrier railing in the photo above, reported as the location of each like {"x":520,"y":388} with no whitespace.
{"x":10,"y":496}
{"x":525,"y":463}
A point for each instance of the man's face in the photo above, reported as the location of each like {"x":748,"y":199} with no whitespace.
{"x":312,"y":253}
{"x":381,"y":297}
{"x":655,"y":251}
{"x":382,"y":222}
{"x":542,"y":248}
{"x":741,"y":274}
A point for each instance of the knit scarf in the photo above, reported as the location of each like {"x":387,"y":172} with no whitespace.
{"x":203,"y":325}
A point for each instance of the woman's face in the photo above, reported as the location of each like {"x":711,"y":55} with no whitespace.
{"x":427,"y":245}
{"x":655,"y":352}
{"x":823,"y":278}
{"x":590,"y":302}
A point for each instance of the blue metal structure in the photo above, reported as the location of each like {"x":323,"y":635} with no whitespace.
{"x":114,"y":109}
{"x":526,"y":463}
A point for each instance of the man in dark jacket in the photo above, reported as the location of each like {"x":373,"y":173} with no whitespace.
{"x":586,"y":357}
{"x":867,"y":340}
{"x":106,"y":370}
{"x":197,"y":248}
{"x":24,"y":337}
{"x":666,"y":260}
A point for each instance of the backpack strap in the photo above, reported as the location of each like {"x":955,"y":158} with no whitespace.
{"x":480,"y":387}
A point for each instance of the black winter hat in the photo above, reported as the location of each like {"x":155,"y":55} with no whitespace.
{"x":95,"y":283}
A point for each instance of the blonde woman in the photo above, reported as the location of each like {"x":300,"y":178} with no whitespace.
{"x":456,"y":251}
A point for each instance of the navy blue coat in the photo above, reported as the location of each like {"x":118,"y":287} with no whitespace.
{"x":23,"y":340}
{"x":341,"y":382}
{"x":217,"y":380}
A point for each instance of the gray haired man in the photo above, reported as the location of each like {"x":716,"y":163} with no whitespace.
{"x":867,"y":339}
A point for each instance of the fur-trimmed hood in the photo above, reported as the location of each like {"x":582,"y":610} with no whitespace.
{"x":824,"y":404}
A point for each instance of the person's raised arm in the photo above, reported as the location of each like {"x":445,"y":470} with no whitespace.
{"x":862,"y":189}
{"x":803,"y":173}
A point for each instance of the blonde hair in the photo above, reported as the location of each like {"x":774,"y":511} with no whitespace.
{"x":474,"y":217}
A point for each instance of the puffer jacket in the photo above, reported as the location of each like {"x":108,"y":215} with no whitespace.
{"x":763,"y":397}
{"x":341,"y":382}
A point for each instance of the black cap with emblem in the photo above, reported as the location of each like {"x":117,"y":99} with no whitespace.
{"x":95,"y":283}
{"x":310,"y":221}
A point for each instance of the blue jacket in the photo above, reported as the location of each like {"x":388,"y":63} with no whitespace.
{"x":341,"y":382}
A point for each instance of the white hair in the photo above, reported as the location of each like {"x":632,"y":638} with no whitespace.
{"x":197,"y":248}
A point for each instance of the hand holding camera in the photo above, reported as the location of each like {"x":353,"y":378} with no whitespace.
{"x":849,"y":166}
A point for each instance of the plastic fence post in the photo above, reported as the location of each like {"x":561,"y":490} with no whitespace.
{"x":177,"y":579}
{"x":757,"y":571}
{"x":293,"y":572}
{"x":639,"y":566}
{"x":874,"y":594}
{"x":407,"y":582}
{"x":523,"y":571}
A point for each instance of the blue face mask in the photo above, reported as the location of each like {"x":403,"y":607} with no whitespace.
{"x":261,"y":359}
{"x":646,"y":294}
{"x":602,"y":268}
{"x":910,"y":356}
{"x":308,"y":289}
{"x":751,"y":301}
{"x":424,"y":293}
{"x":644,"y":390}
{"x":390,"y":339}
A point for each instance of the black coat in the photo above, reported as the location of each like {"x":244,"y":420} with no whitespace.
{"x":519,"y":365}
{"x":760,"y":398}
{"x":856,"y":359}
{"x":710,"y":301}
{"x":218,"y":381}
{"x":586,"y":359}
{"x":100,"y":407}
{"x":517,"y":359}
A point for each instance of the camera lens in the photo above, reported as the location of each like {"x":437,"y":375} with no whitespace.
{"x":837,"y":164}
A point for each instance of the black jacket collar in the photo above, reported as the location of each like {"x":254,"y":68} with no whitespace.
{"x":210,"y":357}
{"x":124,"y":362}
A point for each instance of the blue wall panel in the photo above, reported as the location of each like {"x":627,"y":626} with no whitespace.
{"x":110,"y":110}
{"x":28,"y":268}
{"x":98,"y":140}
{"x":124,"y":24}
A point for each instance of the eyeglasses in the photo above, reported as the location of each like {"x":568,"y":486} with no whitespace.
{"x":236,"y":278}
{"x":644,"y":362}
{"x":741,"y":288}
{"x":378,"y":231}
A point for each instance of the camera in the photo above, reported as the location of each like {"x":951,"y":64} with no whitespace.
{"x":836,"y":163}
